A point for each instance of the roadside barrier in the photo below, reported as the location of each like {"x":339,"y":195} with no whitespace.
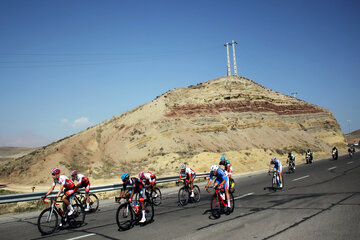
{"x":23,"y":197}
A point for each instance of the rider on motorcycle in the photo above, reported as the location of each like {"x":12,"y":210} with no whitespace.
{"x":309,"y":154}
{"x":335,"y":151}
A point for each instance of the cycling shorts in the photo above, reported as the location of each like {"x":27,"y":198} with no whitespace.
{"x":85,"y":185}
{"x":278,"y":169}
{"x":140,"y":191}
{"x":226,"y":185}
{"x":69,"y":192}
{"x":193,"y":176}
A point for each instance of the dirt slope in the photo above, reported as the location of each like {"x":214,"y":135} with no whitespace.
{"x":196,"y":125}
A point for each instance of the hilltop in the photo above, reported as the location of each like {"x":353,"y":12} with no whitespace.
{"x":229,"y":115}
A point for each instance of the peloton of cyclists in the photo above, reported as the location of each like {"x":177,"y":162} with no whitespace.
{"x":137,"y":186}
{"x":190,"y":177}
{"x":221,"y":180}
{"x":83,"y":183}
{"x":277,"y":167}
{"x":149,"y":180}
{"x":66,"y":185}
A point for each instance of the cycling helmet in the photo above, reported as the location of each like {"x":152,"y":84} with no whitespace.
{"x":73,"y":172}
{"x":222,"y":158}
{"x":182,"y":166}
{"x":55,"y":171}
{"x":141,"y":174}
{"x":273,"y":159}
{"x":214,"y":168}
{"x":125,"y":176}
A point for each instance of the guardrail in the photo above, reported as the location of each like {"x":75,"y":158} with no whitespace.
{"x":23,"y":197}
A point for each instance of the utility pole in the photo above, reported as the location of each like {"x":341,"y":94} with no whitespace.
{"x":233,"y":45}
{"x":228,"y":59}
{"x":294,"y":94}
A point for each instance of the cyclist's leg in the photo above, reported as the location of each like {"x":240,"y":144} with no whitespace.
{"x":142,"y":204}
{"x":226,"y":188}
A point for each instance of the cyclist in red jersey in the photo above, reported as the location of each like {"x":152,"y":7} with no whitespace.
{"x":83,"y":183}
{"x":149,"y":180}
{"x":66,"y":185}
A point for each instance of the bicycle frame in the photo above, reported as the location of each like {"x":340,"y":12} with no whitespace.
{"x":218,"y":196}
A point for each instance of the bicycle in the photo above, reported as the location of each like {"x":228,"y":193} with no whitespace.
{"x":291,"y":167}
{"x":128,"y":214}
{"x":94,"y":201}
{"x":185,"y":192}
{"x":218,"y":203}
{"x":276,"y":181}
{"x":150,"y":195}
{"x":48,"y":219}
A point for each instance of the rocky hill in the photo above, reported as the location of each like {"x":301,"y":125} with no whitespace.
{"x":230,"y":115}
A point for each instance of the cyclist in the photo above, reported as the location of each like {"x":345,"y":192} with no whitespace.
{"x":291,"y":159}
{"x":66,"y":185}
{"x":190,"y":176}
{"x":137,"y":186}
{"x":277,"y":167}
{"x":227,"y":164}
{"x":149,"y":180}
{"x":83,"y":183}
{"x":221,"y":180}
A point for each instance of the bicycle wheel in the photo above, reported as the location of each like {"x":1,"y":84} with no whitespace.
{"x":196,"y":194}
{"x":94,"y":202}
{"x":215,"y":206}
{"x":78,"y":217}
{"x":149,"y":211}
{"x":47,"y":221}
{"x":274,"y":182}
{"x":183,"y":196}
{"x":156,"y":200}
{"x":124,"y":216}
{"x":232,"y":202}
{"x":232,"y":186}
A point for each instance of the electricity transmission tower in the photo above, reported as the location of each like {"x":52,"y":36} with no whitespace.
{"x":228,"y":57}
{"x":294,"y":94}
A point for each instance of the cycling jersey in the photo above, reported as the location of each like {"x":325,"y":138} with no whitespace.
{"x":189,"y":173}
{"x":149,"y":177}
{"x":220,"y":176}
{"x":228,"y":166}
{"x":84,"y":181}
{"x":67,"y":183}
{"x":277,"y":165}
{"x":64,"y":181}
{"x":137,"y":186}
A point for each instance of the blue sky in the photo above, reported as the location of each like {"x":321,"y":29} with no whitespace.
{"x":68,"y":65}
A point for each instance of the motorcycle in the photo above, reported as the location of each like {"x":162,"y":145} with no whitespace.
{"x":335,"y":155}
{"x":308,"y":159}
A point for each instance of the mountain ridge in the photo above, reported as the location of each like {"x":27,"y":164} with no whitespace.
{"x":228,"y":115}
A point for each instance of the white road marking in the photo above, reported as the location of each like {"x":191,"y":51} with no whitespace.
{"x":83,"y":236}
{"x":296,"y":179}
{"x":350,"y":162}
{"x":170,"y":194}
{"x":331,"y":168}
{"x":245,"y":195}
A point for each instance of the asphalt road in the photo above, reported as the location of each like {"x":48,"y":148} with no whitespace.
{"x":319,"y":201}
